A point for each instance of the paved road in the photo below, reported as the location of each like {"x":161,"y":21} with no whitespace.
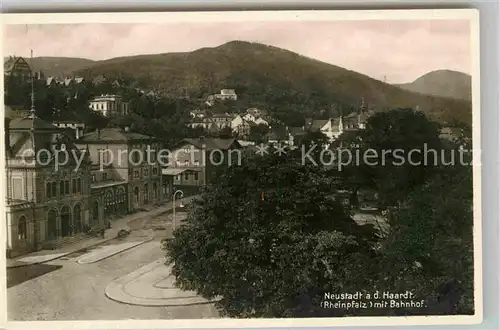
{"x":67,"y":290}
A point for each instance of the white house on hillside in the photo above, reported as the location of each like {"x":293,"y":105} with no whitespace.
{"x":110,"y":105}
{"x":227,"y":94}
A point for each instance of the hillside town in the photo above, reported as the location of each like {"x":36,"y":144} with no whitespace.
{"x":82,"y":202}
{"x":93,"y":196}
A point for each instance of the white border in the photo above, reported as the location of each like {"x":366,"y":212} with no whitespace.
{"x":232,"y":16}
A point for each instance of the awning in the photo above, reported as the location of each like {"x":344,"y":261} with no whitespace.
{"x":106,"y":184}
{"x":173,"y":171}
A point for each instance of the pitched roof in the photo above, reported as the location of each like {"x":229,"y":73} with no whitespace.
{"x":318,"y":124}
{"x":50,"y":80}
{"x":114,"y":135}
{"x":222,"y":115}
{"x":10,"y":63}
{"x":29,"y":122}
{"x":213,"y":143}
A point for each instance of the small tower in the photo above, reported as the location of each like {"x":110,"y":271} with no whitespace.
{"x":32,"y":110}
{"x":362,"y":108}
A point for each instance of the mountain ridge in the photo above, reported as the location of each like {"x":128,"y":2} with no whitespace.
{"x":443,"y":83}
{"x":267,"y":76}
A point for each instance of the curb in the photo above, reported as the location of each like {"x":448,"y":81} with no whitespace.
{"x":89,"y":246}
{"x":156,"y":214}
{"x":115,"y":253}
{"x":115,"y":291}
{"x":62,"y":255}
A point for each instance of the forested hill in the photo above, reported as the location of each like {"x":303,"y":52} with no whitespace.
{"x":271,"y":77}
{"x":58,"y":66}
{"x":445,"y":83}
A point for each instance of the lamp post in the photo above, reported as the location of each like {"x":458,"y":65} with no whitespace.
{"x":173,"y":205}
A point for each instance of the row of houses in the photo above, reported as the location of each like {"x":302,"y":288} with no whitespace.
{"x":109,"y":173}
{"x":240,"y":124}
{"x":332,"y":128}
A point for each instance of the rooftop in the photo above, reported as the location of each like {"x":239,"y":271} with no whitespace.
{"x":175,"y":171}
{"x":213,"y":143}
{"x":114,"y":135}
{"x":29,"y":122}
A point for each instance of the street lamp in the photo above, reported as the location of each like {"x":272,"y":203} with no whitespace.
{"x":173,"y":205}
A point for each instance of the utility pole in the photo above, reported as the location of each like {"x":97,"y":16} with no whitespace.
{"x":33,"y":182}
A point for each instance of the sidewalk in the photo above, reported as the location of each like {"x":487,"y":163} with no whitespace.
{"x":110,"y":234}
{"x":151,"y":285}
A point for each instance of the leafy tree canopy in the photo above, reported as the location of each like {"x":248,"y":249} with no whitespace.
{"x":286,"y":239}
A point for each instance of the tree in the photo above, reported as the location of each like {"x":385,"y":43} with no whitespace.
{"x":258,"y":133}
{"x":285,"y":242}
{"x":394,"y":154}
{"x":429,"y":250}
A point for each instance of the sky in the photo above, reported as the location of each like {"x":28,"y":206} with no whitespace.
{"x":396,"y":51}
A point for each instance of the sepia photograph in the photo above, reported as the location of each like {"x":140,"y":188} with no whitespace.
{"x":224,"y":168}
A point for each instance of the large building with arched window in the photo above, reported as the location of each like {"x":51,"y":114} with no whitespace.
{"x":125,"y":172}
{"x":48,"y":196}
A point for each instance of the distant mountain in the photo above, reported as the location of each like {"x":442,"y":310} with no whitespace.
{"x":261,"y":73}
{"x":445,"y":83}
{"x":58,"y":66}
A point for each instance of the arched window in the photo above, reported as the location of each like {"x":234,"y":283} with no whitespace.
{"x":155,"y":190}
{"x":61,"y":188}
{"x":49,"y":190}
{"x":146,"y":193}
{"x":77,"y":214}
{"x":21,"y":228}
{"x":73,"y":186}
{"x":121,"y":198}
{"x":109,"y":200}
{"x":66,"y":187}
{"x":66,"y":225}
{"x":54,"y":189}
{"x":95,"y":213}
{"x":52,"y":224}
{"x":136,"y":194}
{"x":79,"y":185}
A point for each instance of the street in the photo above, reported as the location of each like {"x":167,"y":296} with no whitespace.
{"x":64,"y":289}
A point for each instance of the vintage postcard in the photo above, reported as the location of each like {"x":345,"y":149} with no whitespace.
{"x":237,"y":169}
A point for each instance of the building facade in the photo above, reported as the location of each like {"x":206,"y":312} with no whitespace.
{"x":125,"y":172}
{"x":17,"y":67}
{"x":227,"y":94}
{"x":194,"y":163}
{"x":110,"y":105}
{"x":48,"y":196}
